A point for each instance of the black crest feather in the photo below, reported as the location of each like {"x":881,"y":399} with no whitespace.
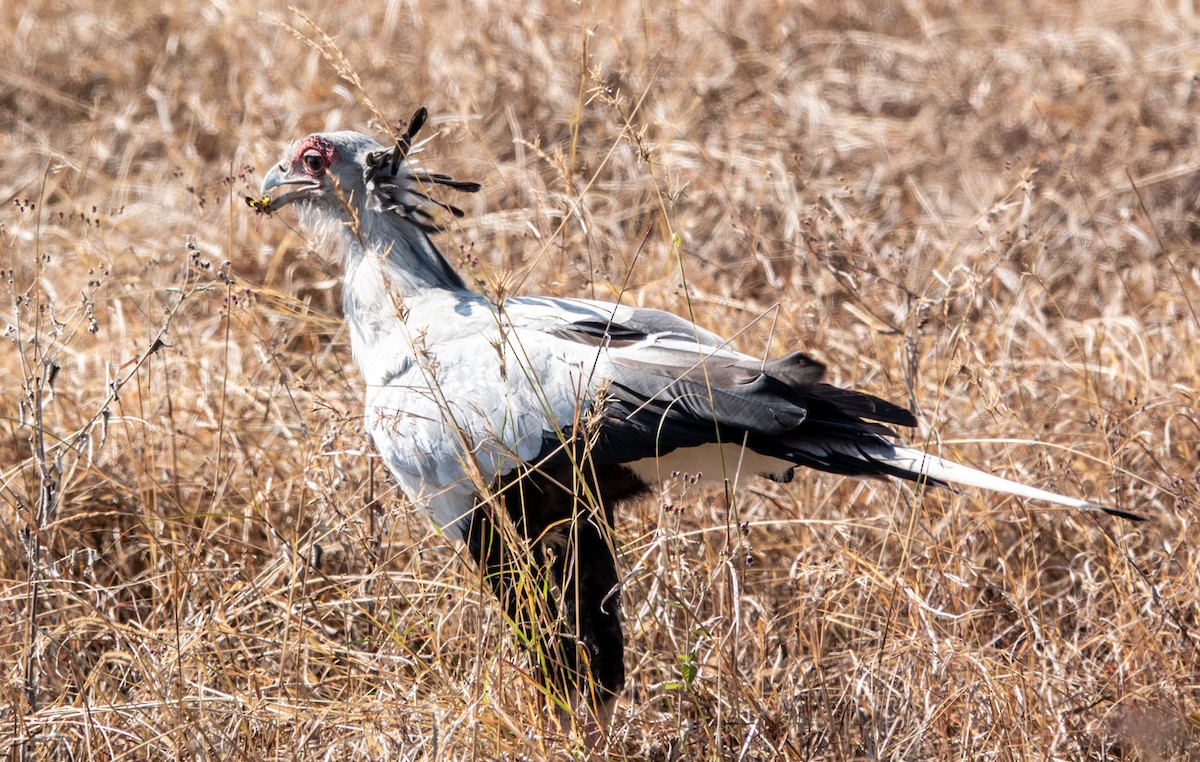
{"x":401,"y":197}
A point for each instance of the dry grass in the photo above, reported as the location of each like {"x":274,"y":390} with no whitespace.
{"x":989,"y":213}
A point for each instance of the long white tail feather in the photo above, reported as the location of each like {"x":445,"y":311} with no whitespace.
{"x":933,"y":467}
{"x":922,"y":464}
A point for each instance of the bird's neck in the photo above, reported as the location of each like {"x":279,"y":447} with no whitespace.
{"x":385,"y":276}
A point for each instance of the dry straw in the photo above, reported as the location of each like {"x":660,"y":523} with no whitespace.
{"x":988,"y":213}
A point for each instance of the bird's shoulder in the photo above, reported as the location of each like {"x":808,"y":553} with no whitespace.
{"x":606,"y":324}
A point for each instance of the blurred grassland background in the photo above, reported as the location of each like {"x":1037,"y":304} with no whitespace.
{"x":988,"y":212}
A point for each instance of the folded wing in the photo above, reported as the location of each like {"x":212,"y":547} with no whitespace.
{"x":670,"y":388}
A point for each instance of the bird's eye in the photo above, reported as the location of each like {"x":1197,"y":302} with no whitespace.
{"x":314,"y":162}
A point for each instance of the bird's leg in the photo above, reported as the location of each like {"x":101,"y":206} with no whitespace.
{"x":551,"y":530}
{"x":584,"y":570}
{"x":518,"y":580}
{"x":578,"y":545}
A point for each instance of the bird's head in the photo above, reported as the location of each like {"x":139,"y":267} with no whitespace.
{"x":374,"y":194}
{"x":324,"y":171}
{"x":350,"y":177}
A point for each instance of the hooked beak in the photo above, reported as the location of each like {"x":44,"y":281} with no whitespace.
{"x":280,"y":178}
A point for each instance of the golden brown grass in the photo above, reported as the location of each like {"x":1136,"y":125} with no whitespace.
{"x":988,"y":213}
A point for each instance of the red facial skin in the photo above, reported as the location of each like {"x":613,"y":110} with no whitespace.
{"x":313,"y":157}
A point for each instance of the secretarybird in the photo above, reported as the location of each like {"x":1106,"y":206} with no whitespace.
{"x":519,"y":424}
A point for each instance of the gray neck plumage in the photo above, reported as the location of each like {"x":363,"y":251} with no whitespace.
{"x":388,"y":263}
{"x":389,"y":260}
{"x":411,"y":260}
